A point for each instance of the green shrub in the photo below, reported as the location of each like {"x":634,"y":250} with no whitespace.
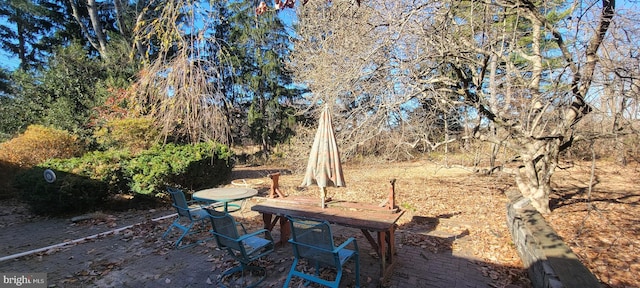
{"x":192,"y":166}
{"x":210,"y":171}
{"x":70,"y":193}
{"x":8,"y":172}
{"x":84,"y":183}
{"x":104,"y":166}
{"x":38,"y":144}
{"x":133,"y":134}
{"x":205,"y":173}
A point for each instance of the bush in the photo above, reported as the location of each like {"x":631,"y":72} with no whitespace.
{"x":103,"y":166}
{"x":8,"y":172}
{"x":84,"y":183}
{"x":38,"y":144}
{"x":192,"y":166}
{"x":70,"y":193}
{"x":134,"y":134}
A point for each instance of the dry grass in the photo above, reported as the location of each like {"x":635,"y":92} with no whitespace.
{"x":465,"y":212}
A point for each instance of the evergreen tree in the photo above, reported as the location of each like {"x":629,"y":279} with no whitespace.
{"x":258,"y":48}
{"x":29,"y":30}
{"x":62,"y":95}
{"x":5,"y":83}
{"x":207,"y":64}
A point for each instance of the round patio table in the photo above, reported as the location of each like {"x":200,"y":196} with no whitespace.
{"x":225,"y":195}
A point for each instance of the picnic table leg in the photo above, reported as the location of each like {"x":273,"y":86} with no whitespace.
{"x":285,"y":230}
{"x":372,"y":241}
{"x":266,"y":218}
{"x":383,"y":252}
{"x":392,"y":242}
{"x":390,"y":252}
{"x":385,"y":248}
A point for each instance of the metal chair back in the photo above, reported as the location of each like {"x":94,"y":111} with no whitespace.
{"x":179,"y":201}
{"x":312,"y":240}
{"x":187,"y":217}
{"x":242,"y":246}
{"x":225,"y":230}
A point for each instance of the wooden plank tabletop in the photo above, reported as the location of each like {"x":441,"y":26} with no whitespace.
{"x":350,"y":214}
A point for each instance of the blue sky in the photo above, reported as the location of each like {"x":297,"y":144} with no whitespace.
{"x":6,"y":61}
{"x":10,"y":63}
{"x":287,"y":15}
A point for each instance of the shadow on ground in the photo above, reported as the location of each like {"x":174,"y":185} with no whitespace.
{"x":138,"y":257}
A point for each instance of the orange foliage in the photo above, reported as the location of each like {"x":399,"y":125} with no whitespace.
{"x":115,"y":106}
{"x":39,"y":144}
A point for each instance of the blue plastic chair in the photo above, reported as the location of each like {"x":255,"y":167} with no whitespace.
{"x":189,"y":215}
{"x":242,"y":246}
{"x":312,"y":240}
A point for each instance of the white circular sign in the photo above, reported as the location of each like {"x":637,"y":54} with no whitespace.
{"x":49,"y":176}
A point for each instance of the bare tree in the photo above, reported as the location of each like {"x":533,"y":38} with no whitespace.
{"x":518,"y":65}
{"x":543,"y":80}
{"x":351,"y":57}
{"x":93,"y":30}
{"x":180,"y":85}
{"x":93,"y":16}
{"x":618,"y":83}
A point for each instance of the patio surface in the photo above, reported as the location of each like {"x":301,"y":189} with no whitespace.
{"x":138,"y":257}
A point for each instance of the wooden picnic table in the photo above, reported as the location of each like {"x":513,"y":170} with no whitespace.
{"x":366,"y":217}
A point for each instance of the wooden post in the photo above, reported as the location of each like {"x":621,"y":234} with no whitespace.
{"x":391,"y":201}
{"x":275,"y":190}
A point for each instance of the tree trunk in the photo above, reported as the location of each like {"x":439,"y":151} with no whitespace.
{"x":540,"y":160}
{"x":122,"y":26}
{"x":22,"y":51}
{"x":99,"y":42}
{"x":540,"y":155}
{"x":92,"y":7}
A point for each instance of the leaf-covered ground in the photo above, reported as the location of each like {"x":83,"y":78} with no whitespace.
{"x":600,"y":224}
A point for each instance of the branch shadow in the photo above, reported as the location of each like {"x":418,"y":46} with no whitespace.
{"x":567,"y":196}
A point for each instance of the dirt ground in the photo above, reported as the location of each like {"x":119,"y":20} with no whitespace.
{"x":446,"y":210}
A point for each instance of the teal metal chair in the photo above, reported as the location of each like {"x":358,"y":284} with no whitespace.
{"x":242,"y":246}
{"x":189,"y":215}
{"x":312,"y":240}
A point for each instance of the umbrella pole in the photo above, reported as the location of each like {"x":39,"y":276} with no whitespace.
{"x":323,"y":195}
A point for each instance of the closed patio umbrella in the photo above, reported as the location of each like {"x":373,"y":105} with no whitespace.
{"x":324,"y":168}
